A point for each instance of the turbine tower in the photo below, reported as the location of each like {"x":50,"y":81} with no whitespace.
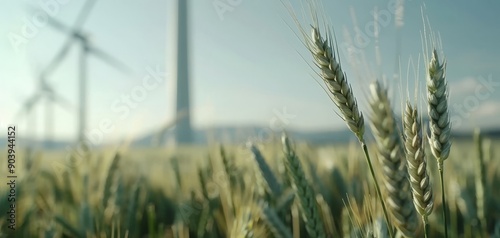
{"x":183,"y":131}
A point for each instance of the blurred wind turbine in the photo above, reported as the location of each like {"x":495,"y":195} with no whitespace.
{"x":46,"y":91}
{"x":76,"y":35}
{"x":183,"y":131}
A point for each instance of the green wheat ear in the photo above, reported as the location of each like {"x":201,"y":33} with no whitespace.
{"x":303,"y":191}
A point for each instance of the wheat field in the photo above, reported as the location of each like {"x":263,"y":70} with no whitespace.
{"x":228,"y":192}
{"x":404,"y":181}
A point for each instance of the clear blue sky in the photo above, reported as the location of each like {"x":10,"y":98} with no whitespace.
{"x":247,"y":62}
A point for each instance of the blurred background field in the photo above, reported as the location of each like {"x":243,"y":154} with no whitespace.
{"x":53,"y":202}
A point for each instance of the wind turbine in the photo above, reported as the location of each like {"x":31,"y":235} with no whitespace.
{"x":46,"y":91}
{"x":87,"y":49}
{"x":183,"y":131}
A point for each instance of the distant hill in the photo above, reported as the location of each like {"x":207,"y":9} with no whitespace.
{"x":242,"y":134}
{"x":238,"y":134}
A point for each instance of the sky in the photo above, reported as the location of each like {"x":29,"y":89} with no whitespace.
{"x":248,"y":64}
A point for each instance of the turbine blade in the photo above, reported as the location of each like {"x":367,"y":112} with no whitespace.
{"x":58,"y":57}
{"x":110,"y":60}
{"x":64,"y":50}
{"x":84,"y":14}
{"x":56,"y":98}
{"x":53,"y":22}
{"x":28,"y":105}
{"x":59,"y":26}
{"x":80,"y":20}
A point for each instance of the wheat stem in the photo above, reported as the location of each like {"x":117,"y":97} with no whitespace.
{"x":443,"y":199}
{"x":426,"y":226}
{"x":377,"y":188}
{"x":274,"y":223}
{"x":480,"y":182}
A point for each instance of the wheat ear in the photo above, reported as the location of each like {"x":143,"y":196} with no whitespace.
{"x":437,"y":97}
{"x":266,"y":172}
{"x":341,"y":93}
{"x":336,"y":81}
{"x":391,"y":157}
{"x":439,"y":140}
{"x":303,"y":191}
{"x":417,"y":165}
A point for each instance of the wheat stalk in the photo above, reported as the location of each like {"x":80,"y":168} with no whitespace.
{"x":391,"y":157}
{"x":342,"y":95}
{"x":274,"y":223}
{"x":272,"y":182}
{"x":480,"y":177}
{"x":417,"y":165}
{"x":243,"y":224}
{"x":303,"y":191}
{"x":439,"y":140}
{"x":230,"y":168}
{"x":132,"y":207}
{"x":111,"y":178}
{"x":247,"y":219}
{"x":326,"y":59}
{"x":326,"y":214}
